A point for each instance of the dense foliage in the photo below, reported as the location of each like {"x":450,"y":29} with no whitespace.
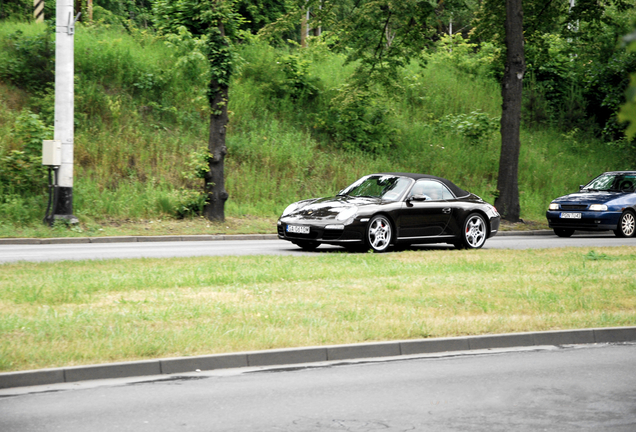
{"x":307,"y":121}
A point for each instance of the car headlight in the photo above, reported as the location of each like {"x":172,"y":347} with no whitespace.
{"x":553,"y":206}
{"x":347,"y":213}
{"x":598,"y":207}
{"x":491,"y":210}
{"x":290,"y":208}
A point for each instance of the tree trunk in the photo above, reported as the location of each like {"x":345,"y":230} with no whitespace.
{"x":507,"y":202}
{"x":214,"y":180}
{"x":303,"y":28}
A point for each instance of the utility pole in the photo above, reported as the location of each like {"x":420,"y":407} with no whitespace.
{"x":64,"y":108}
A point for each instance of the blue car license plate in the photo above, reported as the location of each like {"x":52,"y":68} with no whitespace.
{"x":570,"y":215}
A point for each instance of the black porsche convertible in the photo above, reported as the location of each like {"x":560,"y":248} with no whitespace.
{"x":388,"y":209}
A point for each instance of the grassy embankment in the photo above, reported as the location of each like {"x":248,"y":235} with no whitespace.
{"x":71,"y":313}
{"x":141,"y":113}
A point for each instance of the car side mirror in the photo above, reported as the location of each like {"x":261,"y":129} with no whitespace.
{"x":581,"y":188}
{"x":418,"y":197}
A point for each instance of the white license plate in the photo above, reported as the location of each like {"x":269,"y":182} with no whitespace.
{"x":570,"y":215}
{"x":298,"y":229}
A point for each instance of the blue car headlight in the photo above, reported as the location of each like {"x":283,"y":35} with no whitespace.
{"x":553,"y":206}
{"x":598,"y":207}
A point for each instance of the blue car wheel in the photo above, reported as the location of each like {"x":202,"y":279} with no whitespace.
{"x":626,"y":225}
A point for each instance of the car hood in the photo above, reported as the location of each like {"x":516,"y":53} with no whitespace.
{"x":324,"y":208}
{"x":589,"y":197}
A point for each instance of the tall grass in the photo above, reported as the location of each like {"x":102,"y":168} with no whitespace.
{"x":141,"y":112}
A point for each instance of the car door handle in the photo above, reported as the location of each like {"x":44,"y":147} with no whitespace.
{"x":447,"y":210}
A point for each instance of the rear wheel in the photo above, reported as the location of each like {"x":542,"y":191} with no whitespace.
{"x":564,"y":232}
{"x":474,"y":232}
{"x":307,"y":245}
{"x":379,"y":233}
{"x":626,"y":225}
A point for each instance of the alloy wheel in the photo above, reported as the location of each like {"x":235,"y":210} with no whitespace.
{"x":626,"y":225}
{"x":379,"y":233}
{"x":474,"y":231}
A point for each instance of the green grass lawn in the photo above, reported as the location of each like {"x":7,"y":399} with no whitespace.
{"x":86,"y":312}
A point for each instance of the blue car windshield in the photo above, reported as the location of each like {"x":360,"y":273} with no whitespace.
{"x":389,"y":188}
{"x":612,"y":183}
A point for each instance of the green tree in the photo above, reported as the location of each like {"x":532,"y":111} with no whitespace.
{"x":628,"y":109}
{"x":136,"y":11}
{"x":382,"y":36}
{"x":216,"y":22}
{"x":259,"y":13}
{"x":583,"y":23}
{"x":379,"y":37}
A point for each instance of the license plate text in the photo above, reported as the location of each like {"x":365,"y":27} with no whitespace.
{"x":298,"y":229}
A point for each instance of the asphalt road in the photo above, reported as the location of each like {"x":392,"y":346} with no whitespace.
{"x":160,"y":249}
{"x":570,"y":388}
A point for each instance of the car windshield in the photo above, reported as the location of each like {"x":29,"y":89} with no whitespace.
{"x":612,"y":183}
{"x":378,"y":186}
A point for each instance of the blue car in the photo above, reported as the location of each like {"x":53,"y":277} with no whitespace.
{"x":606,"y":203}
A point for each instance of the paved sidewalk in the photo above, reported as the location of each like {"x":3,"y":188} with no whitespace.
{"x":314,"y":354}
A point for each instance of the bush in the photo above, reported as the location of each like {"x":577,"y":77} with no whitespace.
{"x":21,"y":173}
{"x":21,"y":170}
{"x":553,"y":93}
{"x":605,"y":91}
{"x":281,"y":76}
{"x":356,"y":119}
{"x":466,"y":57}
{"x":476,"y":126}
{"x":30,"y":61}
{"x":298,"y":84}
{"x":188,"y":203}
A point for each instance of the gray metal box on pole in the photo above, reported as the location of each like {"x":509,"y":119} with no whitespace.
{"x":52,"y":153}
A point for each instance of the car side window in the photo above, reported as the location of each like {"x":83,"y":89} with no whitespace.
{"x":432,"y":190}
{"x":626,"y":184}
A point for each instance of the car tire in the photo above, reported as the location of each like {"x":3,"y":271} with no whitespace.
{"x":474,"y":232}
{"x":626,"y":225}
{"x":564,"y":232}
{"x":307,"y":245}
{"x":379,"y":233}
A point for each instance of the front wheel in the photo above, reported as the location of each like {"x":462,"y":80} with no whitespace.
{"x":379,"y":233}
{"x":626,"y":225}
{"x":474,"y":232}
{"x":564,"y":232}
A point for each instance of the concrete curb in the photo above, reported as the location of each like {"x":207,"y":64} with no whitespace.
{"x":129,"y":239}
{"x":202,"y":237}
{"x":291,"y":356}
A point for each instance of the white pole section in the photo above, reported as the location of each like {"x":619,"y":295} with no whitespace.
{"x":64,"y":106}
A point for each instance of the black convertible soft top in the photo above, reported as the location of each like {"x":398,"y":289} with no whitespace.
{"x":459,"y":192}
